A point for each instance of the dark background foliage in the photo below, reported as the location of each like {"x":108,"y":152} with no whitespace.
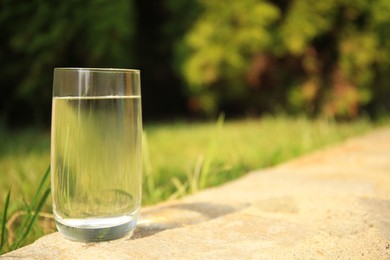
{"x":327,"y":58}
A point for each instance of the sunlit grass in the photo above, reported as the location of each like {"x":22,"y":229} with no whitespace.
{"x":15,"y":231}
{"x":178,"y":151}
{"x":179,"y":158}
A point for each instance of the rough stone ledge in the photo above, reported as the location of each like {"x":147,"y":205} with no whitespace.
{"x":330,"y":204}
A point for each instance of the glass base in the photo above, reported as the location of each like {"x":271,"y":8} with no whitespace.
{"x":96,"y":229}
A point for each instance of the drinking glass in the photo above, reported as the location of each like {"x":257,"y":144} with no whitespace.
{"x":96,"y":152}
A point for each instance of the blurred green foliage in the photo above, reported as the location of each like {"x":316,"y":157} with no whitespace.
{"x":39,"y":35}
{"x":322,"y":57}
{"x":318,"y":57}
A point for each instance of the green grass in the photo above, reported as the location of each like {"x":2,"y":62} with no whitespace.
{"x":179,"y":158}
{"x":179,"y":152}
{"x":14,"y":235}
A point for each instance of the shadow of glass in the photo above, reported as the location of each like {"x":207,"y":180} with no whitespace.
{"x":164,"y":218}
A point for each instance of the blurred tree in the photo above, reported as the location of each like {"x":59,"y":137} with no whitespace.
{"x":340,"y":56}
{"x":39,"y":35}
{"x":219,"y":47}
{"x":327,"y":57}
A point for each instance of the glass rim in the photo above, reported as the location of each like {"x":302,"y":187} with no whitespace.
{"x":77,"y":69}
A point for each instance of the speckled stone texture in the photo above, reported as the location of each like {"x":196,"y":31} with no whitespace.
{"x":331,"y":204}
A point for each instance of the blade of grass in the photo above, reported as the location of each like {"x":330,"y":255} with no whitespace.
{"x":147,"y":165}
{"x":41,"y":187}
{"x":32,"y":220}
{"x":180,"y":188}
{"x":211,"y":152}
{"x":194,"y":176}
{"x":29,"y":218}
{"x":4,"y":221}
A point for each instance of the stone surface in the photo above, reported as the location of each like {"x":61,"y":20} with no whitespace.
{"x":331,"y":204}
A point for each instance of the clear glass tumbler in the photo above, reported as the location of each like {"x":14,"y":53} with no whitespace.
{"x":96,"y":152}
